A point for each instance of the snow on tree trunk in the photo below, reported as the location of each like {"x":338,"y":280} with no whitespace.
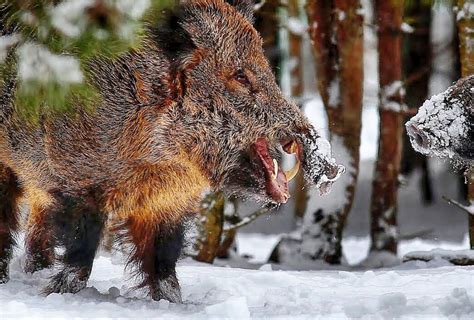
{"x":337,"y":37}
{"x":465,"y":20}
{"x":385,"y":184}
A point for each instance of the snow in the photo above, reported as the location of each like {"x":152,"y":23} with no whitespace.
{"x":69,"y":17}
{"x":434,"y":254}
{"x":430,"y":290}
{"x":341,"y":15}
{"x":407,"y":28}
{"x":296,"y":26}
{"x":467,"y":11}
{"x":6,"y":42}
{"x":334,"y":94}
{"x":236,"y":308}
{"x":37,"y":63}
{"x":133,"y":8}
{"x":389,"y":95}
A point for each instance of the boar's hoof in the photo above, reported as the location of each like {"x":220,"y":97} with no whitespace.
{"x":68,"y":280}
{"x":167,"y":289}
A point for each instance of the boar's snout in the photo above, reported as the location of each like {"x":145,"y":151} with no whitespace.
{"x":319,"y":167}
{"x":418,"y":138}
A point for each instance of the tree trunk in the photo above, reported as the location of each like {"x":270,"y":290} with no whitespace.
{"x":296,"y":78}
{"x":385,"y":184}
{"x":416,"y":66}
{"x":466,"y":50}
{"x":337,"y":37}
{"x":470,"y":198}
{"x":296,"y":72}
{"x":210,"y":228}
{"x":267,"y":23}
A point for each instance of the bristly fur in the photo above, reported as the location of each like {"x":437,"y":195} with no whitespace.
{"x":173,"y":121}
{"x":10,"y":192}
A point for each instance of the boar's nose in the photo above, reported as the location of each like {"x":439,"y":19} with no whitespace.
{"x":417,"y":136}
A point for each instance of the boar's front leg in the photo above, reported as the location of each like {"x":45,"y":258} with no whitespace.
{"x":157,"y":247}
{"x":9,"y":194}
{"x":78,"y":225}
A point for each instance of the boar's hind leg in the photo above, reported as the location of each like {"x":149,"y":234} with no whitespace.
{"x":9,"y":194}
{"x":78,"y":225}
{"x":157,"y":247}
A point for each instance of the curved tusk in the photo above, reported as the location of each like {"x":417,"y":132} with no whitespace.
{"x":291,"y":174}
{"x":275,"y":169}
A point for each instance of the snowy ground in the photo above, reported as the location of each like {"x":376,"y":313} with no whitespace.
{"x":411,"y":290}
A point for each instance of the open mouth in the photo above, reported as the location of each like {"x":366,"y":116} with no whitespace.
{"x":276,"y":180}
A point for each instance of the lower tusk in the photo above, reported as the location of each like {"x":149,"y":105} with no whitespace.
{"x":275,"y":169}
{"x":290,"y":174}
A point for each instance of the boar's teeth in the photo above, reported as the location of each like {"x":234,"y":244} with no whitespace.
{"x":293,"y":148}
{"x":290,"y":174}
{"x":275,"y":169}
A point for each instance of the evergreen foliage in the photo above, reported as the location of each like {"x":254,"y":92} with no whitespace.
{"x":46,"y":46}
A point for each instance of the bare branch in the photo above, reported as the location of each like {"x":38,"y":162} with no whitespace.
{"x":248,"y":219}
{"x":468,"y":209}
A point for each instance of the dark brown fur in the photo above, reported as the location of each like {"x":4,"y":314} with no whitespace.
{"x":178,"y":116}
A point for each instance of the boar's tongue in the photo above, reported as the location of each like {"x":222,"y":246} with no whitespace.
{"x":276,"y":181}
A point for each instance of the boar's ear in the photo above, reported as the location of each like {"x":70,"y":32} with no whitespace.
{"x":176,"y":43}
{"x":172,"y":38}
{"x":245,"y":7}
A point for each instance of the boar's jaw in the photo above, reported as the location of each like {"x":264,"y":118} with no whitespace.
{"x":320,"y":169}
{"x":276,"y":180}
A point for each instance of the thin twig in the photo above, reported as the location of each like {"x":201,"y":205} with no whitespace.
{"x":414,"y":235}
{"x":248,"y":219}
{"x":468,"y":209}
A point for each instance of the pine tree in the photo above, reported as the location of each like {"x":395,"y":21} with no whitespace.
{"x":45,"y":45}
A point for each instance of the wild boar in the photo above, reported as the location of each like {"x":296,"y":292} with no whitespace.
{"x":195,"y":107}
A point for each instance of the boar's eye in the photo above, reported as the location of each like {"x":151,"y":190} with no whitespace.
{"x":242,"y":78}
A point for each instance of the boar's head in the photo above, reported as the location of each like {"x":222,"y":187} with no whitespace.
{"x":444,"y":125}
{"x":233,"y":117}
